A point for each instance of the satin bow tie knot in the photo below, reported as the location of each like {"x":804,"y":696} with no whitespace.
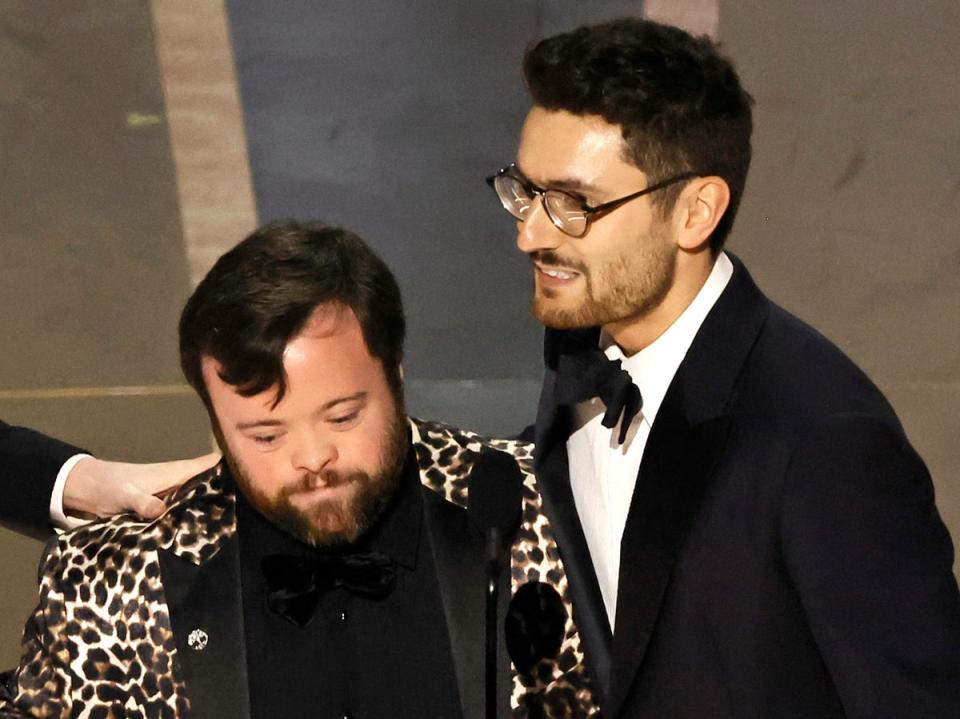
{"x":296,"y":583}
{"x":585,"y":375}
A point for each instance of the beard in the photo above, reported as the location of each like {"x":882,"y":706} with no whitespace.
{"x":338,"y":521}
{"x":628,"y":286}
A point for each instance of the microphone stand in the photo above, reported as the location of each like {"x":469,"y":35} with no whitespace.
{"x":495,"y":507}
{"x":494,"y":544}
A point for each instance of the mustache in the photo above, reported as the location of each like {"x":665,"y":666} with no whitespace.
{"x":329,"y":479}
{"x":555,"y":259}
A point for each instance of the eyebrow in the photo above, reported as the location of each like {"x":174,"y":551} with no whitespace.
{"x":340,"y":400}
{"x":569,"y":184}
{"x":278,"y":423}
{"x":259,"y":423}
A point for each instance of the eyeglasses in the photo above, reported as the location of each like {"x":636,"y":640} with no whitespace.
{"x":569,"y":213}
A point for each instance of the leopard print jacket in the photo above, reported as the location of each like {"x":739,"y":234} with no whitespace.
{"x":100,"y":643}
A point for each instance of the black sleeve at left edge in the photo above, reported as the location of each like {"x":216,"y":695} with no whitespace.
{"x":29,"y":463}
{"x":872,"y":562}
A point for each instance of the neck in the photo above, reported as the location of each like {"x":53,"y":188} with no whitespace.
{"x":636,"y":332}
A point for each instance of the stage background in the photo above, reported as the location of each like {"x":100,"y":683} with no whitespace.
{"x":138,"y":140}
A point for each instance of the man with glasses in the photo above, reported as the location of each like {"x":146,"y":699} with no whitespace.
{"x":746,"y":529}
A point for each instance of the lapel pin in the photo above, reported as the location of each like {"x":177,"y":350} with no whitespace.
{"x":198,"y":640}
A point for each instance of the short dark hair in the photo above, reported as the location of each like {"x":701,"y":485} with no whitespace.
{"x":678,"y":100}
{"x":260,"y":295}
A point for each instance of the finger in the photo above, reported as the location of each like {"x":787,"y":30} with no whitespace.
{"x":201,"y":464}
{"x":160,"y":476}
{"x":146,"y":505}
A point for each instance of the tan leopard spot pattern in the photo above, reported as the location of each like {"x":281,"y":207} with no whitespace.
{"x":446,"y":456}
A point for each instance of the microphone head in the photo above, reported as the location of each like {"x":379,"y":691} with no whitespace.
{"x":495,"y":492}
{"x":534,"y":626}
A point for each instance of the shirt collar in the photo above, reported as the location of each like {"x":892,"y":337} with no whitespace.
{"x":652,"y":368}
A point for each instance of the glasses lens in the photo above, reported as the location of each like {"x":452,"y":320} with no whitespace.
{"x":565,"y":212}
{"x":513,"y":195}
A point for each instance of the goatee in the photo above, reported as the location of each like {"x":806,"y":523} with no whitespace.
{"x":343,"y":519}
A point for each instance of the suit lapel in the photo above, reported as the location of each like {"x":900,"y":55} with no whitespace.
{"x":553,"y":475}
{"x":200,"y":572}
{"x":206,"y":598}
{"x":686,"y":442}
{"x":674,"y":475}
{"x":458,"y":554}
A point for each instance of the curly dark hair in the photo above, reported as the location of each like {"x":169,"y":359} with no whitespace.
{"x":260,"y":295}
{"x":678,"y":100}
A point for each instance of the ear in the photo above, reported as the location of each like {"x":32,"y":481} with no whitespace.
{"x":701,"y":204}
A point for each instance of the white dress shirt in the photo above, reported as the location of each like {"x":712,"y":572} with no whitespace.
{"x":58,"y":515}
{"x":603,"y":473}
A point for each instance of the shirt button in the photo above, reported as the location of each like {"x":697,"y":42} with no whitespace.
{"x":343,"y":618}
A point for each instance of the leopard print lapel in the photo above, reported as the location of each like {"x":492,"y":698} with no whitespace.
{"x":446,"y":456}
{"x":202,"y":516}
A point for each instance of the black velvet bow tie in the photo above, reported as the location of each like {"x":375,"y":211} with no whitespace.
{"x":296,"y":583}
{"x":590,"y":373}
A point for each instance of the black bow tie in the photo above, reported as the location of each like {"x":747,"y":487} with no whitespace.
{"x":296,"y":583}
{"x":590,"y":373}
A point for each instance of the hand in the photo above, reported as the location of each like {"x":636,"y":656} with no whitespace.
{"x":98,"y":488}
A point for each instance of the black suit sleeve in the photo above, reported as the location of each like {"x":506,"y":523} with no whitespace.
{"x":872,"y":562}
{"x":29,"y":463}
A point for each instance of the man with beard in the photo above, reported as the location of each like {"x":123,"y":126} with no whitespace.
{"x":747,"y":531}
{"x":326,"y":567}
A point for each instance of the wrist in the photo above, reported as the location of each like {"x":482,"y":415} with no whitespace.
{"x":79,"y":487}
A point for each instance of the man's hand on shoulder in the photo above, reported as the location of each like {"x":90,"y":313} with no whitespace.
{"x":99,"y":488}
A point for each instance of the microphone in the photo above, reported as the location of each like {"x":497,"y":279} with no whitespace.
{"x":494,"y":498}
{"x":494,"y":501}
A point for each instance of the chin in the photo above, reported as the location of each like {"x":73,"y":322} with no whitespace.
{"x":326,"y":524}
{"x":561,"y":318}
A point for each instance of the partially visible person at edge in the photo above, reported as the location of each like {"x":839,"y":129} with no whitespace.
{"x":745,"y":527}
{"x":48,"y":482}
{"x":326,"y":567}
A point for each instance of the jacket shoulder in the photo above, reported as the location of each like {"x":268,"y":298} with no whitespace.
{"x":199,"y":515}
{"x":446,"y":456}
{"x":803,"y":374}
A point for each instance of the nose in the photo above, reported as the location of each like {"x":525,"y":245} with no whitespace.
{"x":314,"y":453}
{"x":537,"y":231}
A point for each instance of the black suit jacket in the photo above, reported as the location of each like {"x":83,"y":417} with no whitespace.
{"x":782,"y":555}
{"x":207,"y":595}
{"x":29,"y":462}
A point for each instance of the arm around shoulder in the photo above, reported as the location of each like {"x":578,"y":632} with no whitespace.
{"x":29,"y":463}
{"x":872,"y":561}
